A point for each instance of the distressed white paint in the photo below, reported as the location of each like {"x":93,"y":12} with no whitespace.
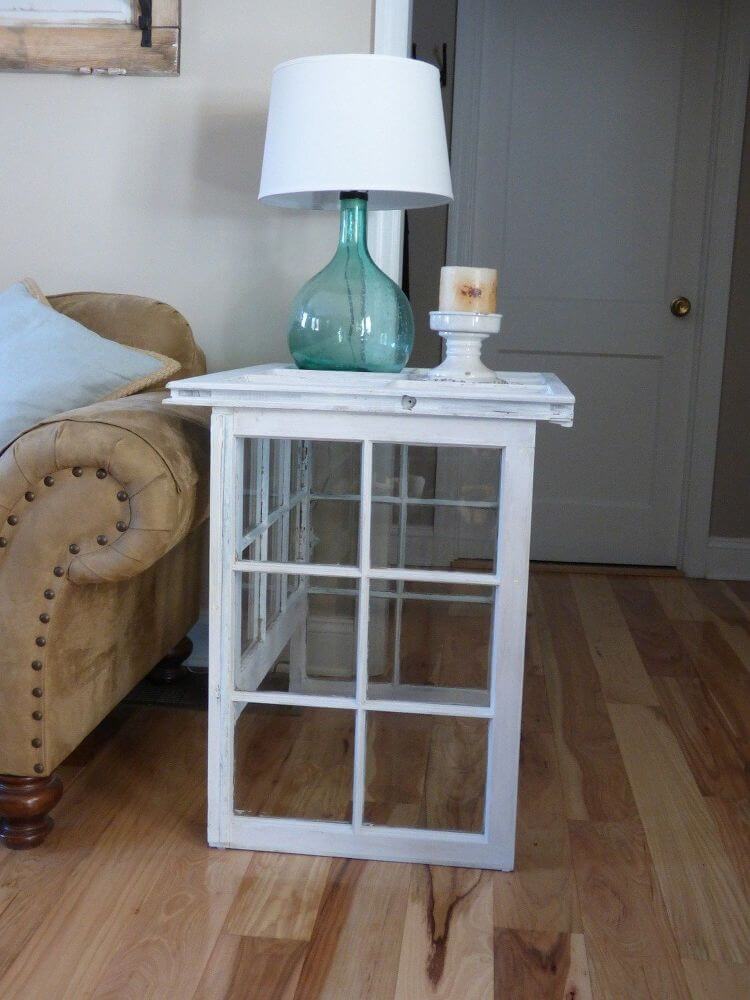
{"x":66,"y":11}
{"x":279,"y":403}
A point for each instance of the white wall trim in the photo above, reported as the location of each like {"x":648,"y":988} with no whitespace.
{"x":728,"y":558}
{"x":696,"y":547}
{"x":391,"y":37}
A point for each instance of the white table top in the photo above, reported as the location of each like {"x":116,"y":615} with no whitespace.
{"x":514,"y":395}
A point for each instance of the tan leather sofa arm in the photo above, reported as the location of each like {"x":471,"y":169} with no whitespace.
{"x":103,"y":492}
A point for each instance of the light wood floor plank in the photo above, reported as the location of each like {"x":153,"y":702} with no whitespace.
{"x":594,"y":782}
{"x":81,"y":928}
{"x":705,"y":904}
{"x":733,"y":822}
{"x":447,"y":949}
{"x":355,"y":941}
{"x":706,"y":744}
{"x":542,"y":966}
{"x":628,"y":936}
{"x":621,"y":671}
{"x":279,"y":897}
{"x":246,"y":968}
{"x":163,"y":946}
{"x":540,"y":894}
{"x":38,"y":880}
{"x":715,"y":981}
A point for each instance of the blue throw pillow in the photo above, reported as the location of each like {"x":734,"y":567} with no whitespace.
{"x":50,"y":364}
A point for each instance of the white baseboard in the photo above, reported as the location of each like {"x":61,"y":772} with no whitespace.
{"x":728,"y":559}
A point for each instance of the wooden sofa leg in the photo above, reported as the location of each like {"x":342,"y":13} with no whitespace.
{"x":171,"y":667}
{"x":24,"y":807}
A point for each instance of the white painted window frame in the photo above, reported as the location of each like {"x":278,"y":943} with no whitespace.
{"x":494,"y":846}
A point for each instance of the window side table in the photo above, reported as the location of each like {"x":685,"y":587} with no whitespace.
{"x":368,"y":586}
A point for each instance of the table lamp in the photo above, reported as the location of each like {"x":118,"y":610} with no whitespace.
{"x":350,"y":132}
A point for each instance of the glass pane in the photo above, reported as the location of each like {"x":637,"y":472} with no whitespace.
{"x":430,"y":642}
{"x":301,"y":501}
{"x":295,"y":763}
{"x":298,"y":634}
{"x":443,"y":787}
{"x":435,"y":507}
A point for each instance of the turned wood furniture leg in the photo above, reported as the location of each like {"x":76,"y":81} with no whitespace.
{"x":24,"y":807}
{"x":171,"y":667}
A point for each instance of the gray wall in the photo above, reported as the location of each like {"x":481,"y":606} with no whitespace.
{"x":730,"y":514}
{"x":149,"y":185}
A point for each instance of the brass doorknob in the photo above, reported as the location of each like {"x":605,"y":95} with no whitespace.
{"x":680,"y":306}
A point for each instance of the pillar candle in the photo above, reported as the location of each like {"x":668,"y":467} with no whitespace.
{"x":468,"y":289}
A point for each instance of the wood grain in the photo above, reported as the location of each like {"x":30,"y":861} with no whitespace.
{"x":653,"y":633}
{"x":704,"y":901}
{"x":621,"y":672}
{"x":82,"y":920}
{"x":355,"y":941}
{"x":279,"y":897}
{"x":709,"y":751}
{"x":628,"y":935}
{"x":720,"y":602}
{"x":733,"y":822}
{"x":447,"y":948}
{"x":595,"y":785}
{"x":163,"y":945}
{"x":40,"y":49}
{"x":542,"y":966}
{"x":242,"y":968}
{"x":725,"y":680}
{"x":717,"y":981}
{"x":615,"y":894}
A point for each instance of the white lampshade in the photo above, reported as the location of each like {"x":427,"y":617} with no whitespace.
{"x":355,"y":123}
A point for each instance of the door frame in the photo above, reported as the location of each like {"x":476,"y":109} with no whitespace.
{"x":391,"y":36}
{"x":719,"y":216}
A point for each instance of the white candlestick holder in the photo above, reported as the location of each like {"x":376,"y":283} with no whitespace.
{"x":463,"y":333}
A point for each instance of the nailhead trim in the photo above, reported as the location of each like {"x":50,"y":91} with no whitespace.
{"x":37,"y":692}
{"x":36,"y":664}
{"x":36,"y":742}
{"x":29,"y":496}
{"x":49,"y":594}
{"x":101,"y":473}
{"x":58,"y":571}
{"x":44,"y":618}
{"x":74,"y":549}
{"x":121,"y":526}
{"x":122,"y":496}
{"x":49,"y":480}
{"x":39,"y":768}
{"x":101,"y":539}
{"x":37,"y":716}
{"x":77,"y":471}
{"x":3,"y":542}
{"x":41,"y":641}
{"x":13,"y":520}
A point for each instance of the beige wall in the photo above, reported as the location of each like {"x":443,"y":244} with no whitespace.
{"x":730,"y":515}
{"x":149,"y":185}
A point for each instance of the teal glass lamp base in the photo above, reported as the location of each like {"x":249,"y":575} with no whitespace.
{"x":351,"y":316}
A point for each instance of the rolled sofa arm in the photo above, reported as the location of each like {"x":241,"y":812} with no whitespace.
{"x":106,"y":490}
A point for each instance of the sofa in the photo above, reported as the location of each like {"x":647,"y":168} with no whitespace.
{"x":101,"y":543}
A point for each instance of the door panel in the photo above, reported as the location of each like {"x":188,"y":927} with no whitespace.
{"x":593,"y":134}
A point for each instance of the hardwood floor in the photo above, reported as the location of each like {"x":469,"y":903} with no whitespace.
{"x":633,"y":847}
